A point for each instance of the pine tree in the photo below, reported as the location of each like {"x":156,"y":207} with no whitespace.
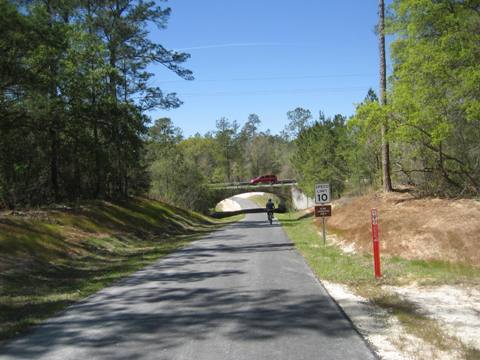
{"x":387,"y":182}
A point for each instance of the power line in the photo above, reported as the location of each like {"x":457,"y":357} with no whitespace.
{"x":231,"y":45}
{"x":273,"y":78}
{"x":280,"y":92}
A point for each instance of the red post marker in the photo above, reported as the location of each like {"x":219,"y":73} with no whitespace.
{"x":376,"y":244}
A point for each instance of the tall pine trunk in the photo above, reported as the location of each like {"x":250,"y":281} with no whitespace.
{"x":54,"y":161}
{"x":387,"y":182}
{"x":53,"y":113}
{"x":98,"y":167}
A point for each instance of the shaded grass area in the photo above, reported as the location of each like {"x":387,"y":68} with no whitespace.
{"x":356,"y":271}
{"x":51,"y":259}
{"x":261,"y":200}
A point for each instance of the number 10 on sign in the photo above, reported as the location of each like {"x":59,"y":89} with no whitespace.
{"x":322,"y":193}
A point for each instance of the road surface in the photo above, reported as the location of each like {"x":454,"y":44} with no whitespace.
{"x":241,"y":293}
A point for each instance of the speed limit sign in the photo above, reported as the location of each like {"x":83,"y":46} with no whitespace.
{"x":322,"y":193}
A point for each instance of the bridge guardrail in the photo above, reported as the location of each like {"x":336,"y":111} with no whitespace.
{"x":247,"y":184}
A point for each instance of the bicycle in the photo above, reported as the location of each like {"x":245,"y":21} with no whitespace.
{"x":270,"y":216}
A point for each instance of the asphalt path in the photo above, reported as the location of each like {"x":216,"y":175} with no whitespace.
{"x":242,"y":292}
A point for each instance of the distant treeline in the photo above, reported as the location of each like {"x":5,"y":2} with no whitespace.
{"x":181,"y":169}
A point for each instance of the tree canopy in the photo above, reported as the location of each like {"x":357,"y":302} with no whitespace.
{"x":75,"y":88}
{"x":74,"y":91}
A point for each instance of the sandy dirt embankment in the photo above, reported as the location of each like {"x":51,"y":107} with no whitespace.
{"x":412,"y":228}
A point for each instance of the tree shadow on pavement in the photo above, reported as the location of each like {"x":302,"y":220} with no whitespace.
{"x":187,"y":314}
{"x":169,"y":303}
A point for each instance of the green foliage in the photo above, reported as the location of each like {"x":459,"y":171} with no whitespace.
{"x":227,"y":148}
{"x":436,"y":94}
{"x":299,"y":119}
{"x":74,"y":89}
{"x":364,"y":145}
{"x":173,"y":178}
{"x":201,"y":153}
{"x":320,"y":155}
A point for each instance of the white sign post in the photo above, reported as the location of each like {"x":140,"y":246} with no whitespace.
{"x":322,"y":196}
{"x":322,"y":193}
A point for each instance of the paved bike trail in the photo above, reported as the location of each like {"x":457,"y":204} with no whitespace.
{"x":242,"y":292}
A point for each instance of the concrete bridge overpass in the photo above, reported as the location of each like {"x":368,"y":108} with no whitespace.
{"x":291,"y":197}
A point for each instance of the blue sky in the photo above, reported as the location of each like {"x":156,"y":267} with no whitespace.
{"x":268,"y":57}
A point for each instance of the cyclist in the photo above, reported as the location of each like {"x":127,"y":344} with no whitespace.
{"x":270,"y":206}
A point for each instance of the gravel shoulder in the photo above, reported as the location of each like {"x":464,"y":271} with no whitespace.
{"x":456,"y":308}
{"x":383,"y":330}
